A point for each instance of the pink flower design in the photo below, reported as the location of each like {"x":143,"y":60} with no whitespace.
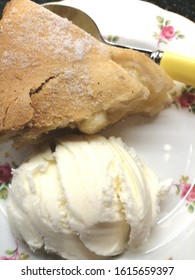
{"x":184,"y":192}
{"x":186,"y":99}
{"x":187,"y":191}
{"x":167,"y":32}
{"x":5,"y":173}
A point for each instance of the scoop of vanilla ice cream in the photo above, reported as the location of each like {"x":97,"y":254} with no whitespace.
{"x":90,"y":197}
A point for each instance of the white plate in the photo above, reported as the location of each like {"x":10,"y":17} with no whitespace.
{"x":166,"y":142}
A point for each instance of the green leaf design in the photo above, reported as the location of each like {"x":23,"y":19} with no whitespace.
{"x":10,"y":252}
{"x":160,"y":19}
{"x":193,"y":203}
{"x":190,"y":89}
{"x":14,"y":165}
{"x":156,"y":35}
{"x":2,"y":186}
{"x":180,"y":36}
{"x":177,"y":190}
{"x":3,"y":193}
{"x":167,"y":22}
{"x":190,"y":208}
{"x":160,"y":26}
{"x":177,"y":32}
{"x":113,"y":39}
{"x":23,"y":256}
{"x":163,"y":41}
{"x":176,"y":104}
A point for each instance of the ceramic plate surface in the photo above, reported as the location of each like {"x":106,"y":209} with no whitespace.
{"x":165,"y":142}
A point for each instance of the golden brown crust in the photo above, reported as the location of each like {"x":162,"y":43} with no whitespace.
{"x":55,"y":75}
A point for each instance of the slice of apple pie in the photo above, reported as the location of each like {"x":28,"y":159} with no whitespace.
{"x":54,"y":75}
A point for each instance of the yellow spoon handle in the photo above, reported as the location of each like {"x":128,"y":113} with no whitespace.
{"x":180,"y":68}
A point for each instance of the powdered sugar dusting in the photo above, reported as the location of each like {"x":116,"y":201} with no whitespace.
{"x":81,"y":85}
{"x":10,"y":58}
{"x":52,"y":52}
{"x":78,"y":85}
{"x":49,"y":35}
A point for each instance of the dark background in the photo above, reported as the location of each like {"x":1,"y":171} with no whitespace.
{"x":182,"y":7}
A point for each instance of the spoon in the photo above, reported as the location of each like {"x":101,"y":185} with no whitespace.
{"x":180,"y":68}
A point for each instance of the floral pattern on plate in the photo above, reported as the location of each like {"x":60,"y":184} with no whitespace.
{"x":186,"y":99}
{"x":187,"y":191}
{"x":5,"y":179}
{"x":113,"y":39}
{"x":14,"y":255}
{"x":167,"y":31}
